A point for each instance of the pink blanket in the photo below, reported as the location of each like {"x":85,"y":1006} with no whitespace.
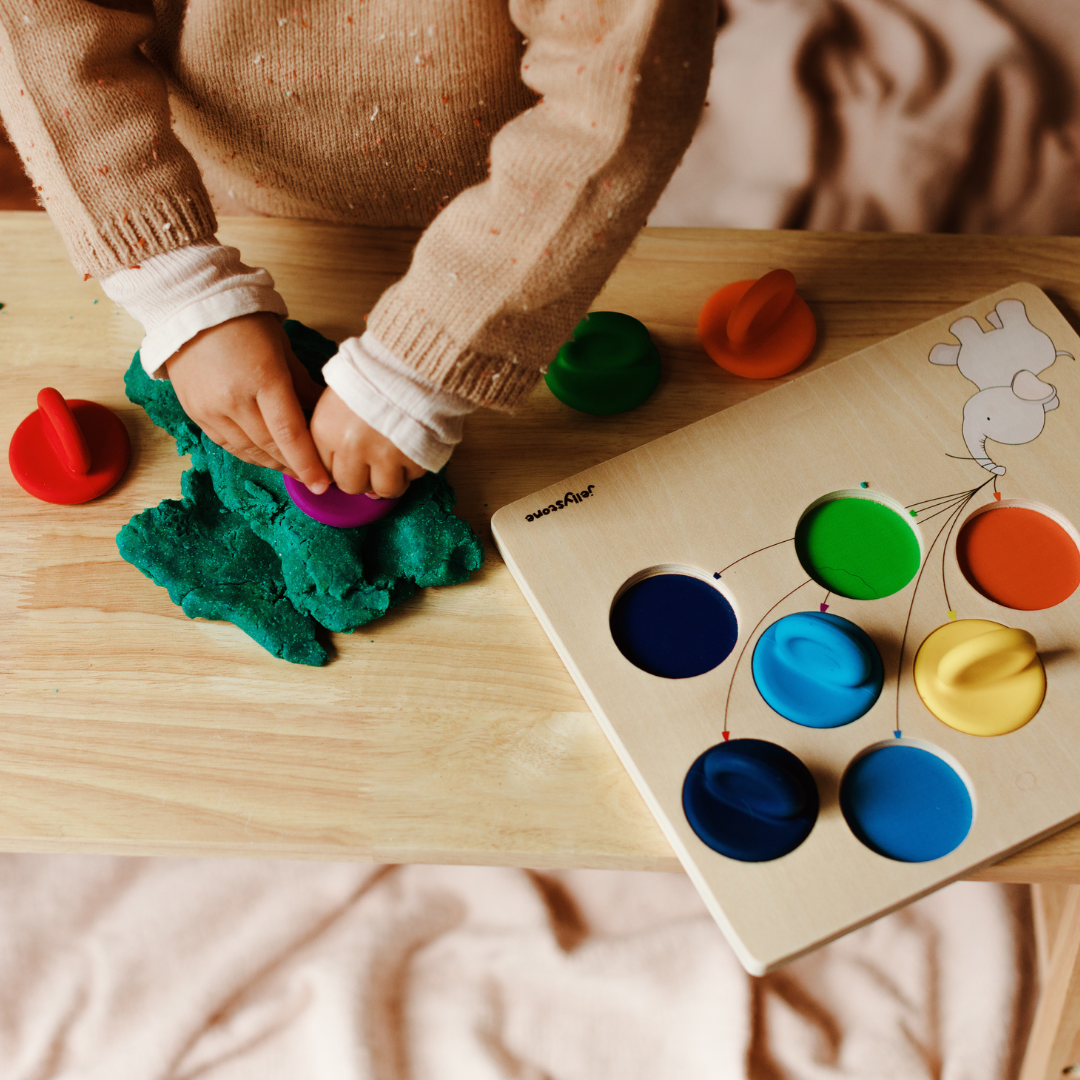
{"x":903,"y":115}
{"x":147,"y":969}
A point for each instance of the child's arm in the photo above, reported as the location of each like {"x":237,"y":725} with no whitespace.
{"x":213,"y":327}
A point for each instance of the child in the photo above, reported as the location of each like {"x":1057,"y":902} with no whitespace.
{"x":530,"y":140}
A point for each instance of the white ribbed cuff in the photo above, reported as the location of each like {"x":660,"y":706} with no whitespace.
{"x":422,"y":421}
{"x":181,"y":292}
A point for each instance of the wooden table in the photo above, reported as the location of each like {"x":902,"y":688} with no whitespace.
{"x":448,"y":731}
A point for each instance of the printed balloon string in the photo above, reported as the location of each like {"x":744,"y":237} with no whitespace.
{"x":750,"y":637}
{"x":939,"y":499}
{"x":948,"y":537}
{"x":958,"y":509}
{"x":947,"y":508}
{"x":758,"y":552}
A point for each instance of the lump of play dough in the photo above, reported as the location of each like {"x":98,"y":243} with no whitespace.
{"x":215,"y":567}
{"x":235,"y":546}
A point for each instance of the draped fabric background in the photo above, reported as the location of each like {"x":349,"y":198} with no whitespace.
{"x":940,"y":115}
{"x":147,"y":969}
{"x":900,"y":115}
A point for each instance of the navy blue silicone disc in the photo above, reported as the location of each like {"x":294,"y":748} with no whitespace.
{"x":674,"y":625}
{"x":817,"y":669}
{"x":906,"y":803}
{"x":750,"y":800}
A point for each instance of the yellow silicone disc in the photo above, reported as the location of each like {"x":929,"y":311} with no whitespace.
{"x":980,"y":677}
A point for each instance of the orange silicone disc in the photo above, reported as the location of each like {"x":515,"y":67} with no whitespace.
{"x":764,"y":339}
{"x":1019,"y":558}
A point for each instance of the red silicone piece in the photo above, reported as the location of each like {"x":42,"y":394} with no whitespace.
{"x":758,"y":329}
{"x":68,"y":451}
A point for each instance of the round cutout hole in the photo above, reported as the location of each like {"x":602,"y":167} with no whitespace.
{"x":856,"y":546}
{"x":817,"y":669}
{"x":674,"y":625}
{"x":1021,"y":557}
{"x":906,"y":802}
{"x":750,"y":800}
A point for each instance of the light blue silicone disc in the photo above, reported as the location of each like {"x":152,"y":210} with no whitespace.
{"x":817,"y":669}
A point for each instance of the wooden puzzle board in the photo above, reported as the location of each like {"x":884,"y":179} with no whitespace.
{"x":705,"y":496}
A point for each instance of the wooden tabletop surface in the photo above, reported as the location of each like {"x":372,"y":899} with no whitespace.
{"x":449,"y":730}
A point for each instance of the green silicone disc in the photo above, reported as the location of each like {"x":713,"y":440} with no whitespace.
{"x":609,"y":365}
{"x":857,"y":547}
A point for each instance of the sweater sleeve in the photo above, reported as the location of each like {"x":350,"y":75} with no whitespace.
{"x":89,"y":115}
{"x":501,"y":277}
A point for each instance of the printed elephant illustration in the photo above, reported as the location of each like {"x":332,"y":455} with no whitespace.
{"x":1004,"y":363}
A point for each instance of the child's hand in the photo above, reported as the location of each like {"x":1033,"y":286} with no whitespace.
{"x":240,"y":382}
{"x":356,"y":455}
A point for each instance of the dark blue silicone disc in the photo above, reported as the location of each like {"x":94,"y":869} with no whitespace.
{"x":750,"y":800}
{"x":906,"y":803}
{"x":674,"y":625}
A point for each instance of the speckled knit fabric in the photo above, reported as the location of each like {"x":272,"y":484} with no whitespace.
{"x":531,"y":140}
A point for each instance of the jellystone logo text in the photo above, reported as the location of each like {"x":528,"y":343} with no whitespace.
{"x":568,"y":499}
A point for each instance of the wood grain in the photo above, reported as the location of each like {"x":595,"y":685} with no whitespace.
{"x":450,"y":731}
{"x":1053,"y":1049}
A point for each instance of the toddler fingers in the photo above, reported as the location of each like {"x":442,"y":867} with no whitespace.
{"x":287,"y":430}
{"x":351,"y":474}
{"x":231,"y":437}
{"x":389,"y":481}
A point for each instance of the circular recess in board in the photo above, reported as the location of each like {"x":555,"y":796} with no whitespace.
{"x":1020,"y":555}
{"x":817,"y":669}
{"x":906,"y":801}
{"x":750,"y":800}
{"x":858,"y":545}
{"x":980,"y":677}
{"x":673,"y":624}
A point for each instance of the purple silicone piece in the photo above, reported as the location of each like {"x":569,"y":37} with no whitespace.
{"x":336,"y":507}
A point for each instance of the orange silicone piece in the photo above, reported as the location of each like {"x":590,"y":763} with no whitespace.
{"x":758,"y":329}
{"x":1019,"y":558}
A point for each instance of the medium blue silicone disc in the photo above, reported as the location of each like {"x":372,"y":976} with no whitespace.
{"x":674,"y":625}
{"x":906,"y":803}
{"x":817,"y":669}
{"x":750,"y":800}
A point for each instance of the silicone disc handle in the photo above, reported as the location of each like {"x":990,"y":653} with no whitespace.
{"x":752,"y":784}
{"x":63,"y":431}
{"x":988,"y":658}
{"x":761,"y":306}
{"x":821,"y":650}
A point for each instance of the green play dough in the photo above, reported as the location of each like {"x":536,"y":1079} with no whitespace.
{"x":235,"y":547}
{"x":857,"y":547}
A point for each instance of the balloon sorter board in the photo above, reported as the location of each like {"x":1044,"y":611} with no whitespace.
{"x":741,"y":582}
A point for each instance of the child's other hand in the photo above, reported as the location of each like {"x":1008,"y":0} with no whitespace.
{"x":356,"y":455}
{"x":242,"y":384}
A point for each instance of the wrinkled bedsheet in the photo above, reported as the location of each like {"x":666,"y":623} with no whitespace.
{"x":147,"y":969}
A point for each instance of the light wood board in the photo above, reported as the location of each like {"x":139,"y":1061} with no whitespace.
{"x":705,"y":496}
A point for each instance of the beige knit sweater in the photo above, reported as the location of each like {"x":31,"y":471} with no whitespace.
{"x":530,"y":139}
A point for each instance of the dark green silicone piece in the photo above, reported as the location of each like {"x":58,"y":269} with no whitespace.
{"x":609,"y":365}
{"x":235,"y":547}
